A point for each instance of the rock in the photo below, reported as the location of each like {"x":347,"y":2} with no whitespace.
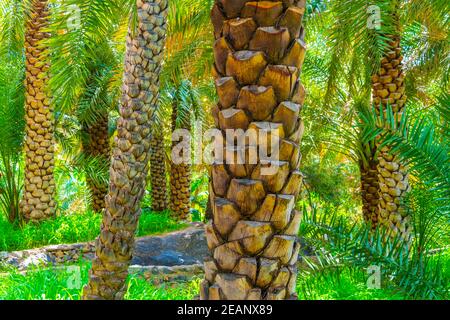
{"x":183,"y":247}
{"x":176,"y":255}
{"x":35,"y":260}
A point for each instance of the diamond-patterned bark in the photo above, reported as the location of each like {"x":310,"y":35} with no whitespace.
{"x":180,"y":176}
{"x":38,"y":201}
{"x":158,"y":172}
{"x":96,"y":144}
{"x":388,"y":88}
{"x":258,"y":51}
{"x":130,"y":157}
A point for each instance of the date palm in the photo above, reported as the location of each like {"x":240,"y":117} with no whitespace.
{"x":258,"y":51}
{"x":92,"y":112}
{"x":38,"y":201}
{"x":187,"y":56}
{"x":180,"y":173}
{"x":185,"y":107}
{"x":130,"y":158}
{"x":158,"y":172}
{"x":12,"y":111}
{"x":85,"y":61}
{"x":374,"y":52}
{"x":388,"y":89}
{"x":95,"y":144}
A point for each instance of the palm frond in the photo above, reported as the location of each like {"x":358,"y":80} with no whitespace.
{"x":12,"y":26}
{"x":416,"y":144}
{"x":12,"y":133}
{"x":74,"y":46}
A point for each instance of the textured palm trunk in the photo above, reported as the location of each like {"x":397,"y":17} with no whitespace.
{"x":97,"y":145}
{"x":180,"y":179}
{"x":38,"y":201}
{"x":370,"y":192}
{"x":389,"y":89}
{"x":208,"y":210}
{"x":158,"y":172}
{"x":114,"y":246}
{"x":259,"y":52}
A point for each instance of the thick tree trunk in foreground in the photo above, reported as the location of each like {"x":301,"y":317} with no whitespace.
{"x":180,"y":179}
{"x":389,"y":89}
{"x":158,"y":172}
{"x":259,"y":51}
{"x":114,"y":246}
{"x":97,"y":145}
{"x":38,"y":201}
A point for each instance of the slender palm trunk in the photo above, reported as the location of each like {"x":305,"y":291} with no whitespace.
{"x":38,"y":201}
{"x":180,"y":179}
{"x":114,"y":246}
{"x":388,"y":88}
{"x":259,"y":51}
{"x":158,"y":171}
{"x":96,"y":144}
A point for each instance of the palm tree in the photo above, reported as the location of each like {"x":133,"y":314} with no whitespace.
{"x":38,"y":201}
{"x":12,"y":131}
{"x":187,"y":55}
{"x":388,"y":89}
{"x":375,"y":54}
{"x":258,"y":51}
{"x":96,"y":145}
{"x":180,"y":173}
{"x":130,"y":157}
{"x":158,"y":172}
{"x":184,"y":107}
{"x":12,"y":110}
{"x":92,"y":111}
{"x":85,"y":61}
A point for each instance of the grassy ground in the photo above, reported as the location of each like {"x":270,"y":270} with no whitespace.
{"x":346,"y":283}
{"x":71,"y":228}
{"x":57,"y":284}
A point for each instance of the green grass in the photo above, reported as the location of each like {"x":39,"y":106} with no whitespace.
{"x":347,"y":284}
{"x":52,"y":284}
{"x":71,"y":228}
{"x":157,"y":223}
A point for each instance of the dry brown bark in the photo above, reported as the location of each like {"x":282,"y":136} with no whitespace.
{"x":38,"y":201}
{"x":259,"y":51}
{"x":388,"y":88}
{"x":158,"y":174}
{"x":96,"y":144}
{"x":129,"y":167}
{"x":370,"y":192}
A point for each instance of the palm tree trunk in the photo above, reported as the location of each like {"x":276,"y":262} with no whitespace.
{"x":180,"y":179}
{"x":38,"y":201}
{"x":370,"y":192}
{"x":208,"y":210}
{"x":97,"y":145}
{"x":388,"y":88}
{"x":158,"y":172}
{"x":259,"y":51}
{"x":114,"y":246}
